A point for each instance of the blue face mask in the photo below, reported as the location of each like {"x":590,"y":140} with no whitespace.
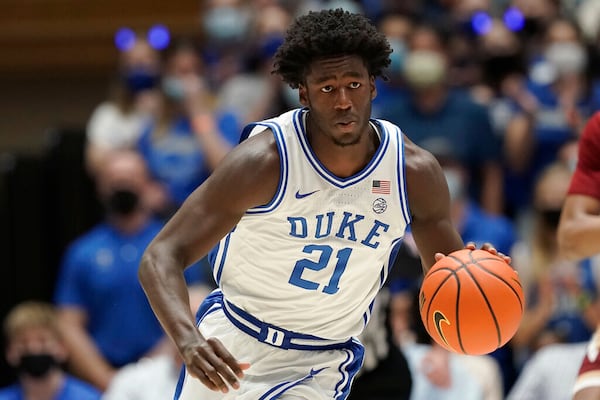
{"x":140,"y":79}
{"x":397,"y":57}
{"x":173,"y":88}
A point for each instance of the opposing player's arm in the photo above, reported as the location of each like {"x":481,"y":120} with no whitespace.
{"x":579,"y":227}
{"x":429,"y":202}
{"x":248,"y":176}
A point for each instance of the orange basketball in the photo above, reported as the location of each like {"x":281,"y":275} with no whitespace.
{"x":471,"y":302}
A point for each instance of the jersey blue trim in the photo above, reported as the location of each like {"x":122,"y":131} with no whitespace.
{"x":324,"y":172}
{"x":284,"y":167}
{"x":289,"y":340}
{"x":348,"y":369}
{"x":218,"y":270}
{"x":283,"y":387}
{"x":402,"y":178}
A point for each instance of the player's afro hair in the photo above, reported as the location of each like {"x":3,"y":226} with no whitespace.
{"x":329,"y":33}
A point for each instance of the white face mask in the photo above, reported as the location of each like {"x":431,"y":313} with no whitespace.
{"x":423,"y":68}
{"x":566,"y":57}
{"x":225,"y":24}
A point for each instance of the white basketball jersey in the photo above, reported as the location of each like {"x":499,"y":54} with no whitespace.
{"x":313,"y":259}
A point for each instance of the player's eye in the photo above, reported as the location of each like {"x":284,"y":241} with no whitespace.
{"x":327,"y":89}
{"x":355,"y":85}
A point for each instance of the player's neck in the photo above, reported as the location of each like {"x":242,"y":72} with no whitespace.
{"x":343,"y":161}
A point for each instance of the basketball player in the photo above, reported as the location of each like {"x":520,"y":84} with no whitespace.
{"x":308,"y":213}
{"x":579,"y":238}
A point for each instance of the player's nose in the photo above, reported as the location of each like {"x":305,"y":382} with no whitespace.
{"x":342,"y":100}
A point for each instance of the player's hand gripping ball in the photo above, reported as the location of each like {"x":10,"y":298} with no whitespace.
{"x":471,"y":302}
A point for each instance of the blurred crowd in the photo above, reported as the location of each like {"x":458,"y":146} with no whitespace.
{"x":498,"y":90}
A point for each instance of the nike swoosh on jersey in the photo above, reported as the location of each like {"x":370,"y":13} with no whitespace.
{"x":303,"y":195}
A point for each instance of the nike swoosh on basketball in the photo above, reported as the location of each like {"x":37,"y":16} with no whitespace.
{"x":303,"y":195}
{"x":438,"y":318}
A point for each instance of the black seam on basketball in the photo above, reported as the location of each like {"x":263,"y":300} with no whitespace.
{"x":505,"y":282}
{"x":489,"y":305}
{"x":460,"y":343}
{"x":439,"y":287}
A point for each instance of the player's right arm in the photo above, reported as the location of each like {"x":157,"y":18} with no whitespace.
{"x":429,"y":202}
{"x":579,"y":227}
{"x":247,"y":177}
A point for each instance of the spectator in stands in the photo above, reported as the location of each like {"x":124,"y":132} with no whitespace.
{"x":433,"y":113}
{"x":255,"y":94}
{"x":155,"y":377}
{"x":564,"y":98}
{"x":36,"y":350}
{"x":108,"y":321}
{"x":117,"y":123}
{"x":437,"y":373}
{"x":560,"y":293}
{"x":187,"y":140}
{"x":550,"y":374}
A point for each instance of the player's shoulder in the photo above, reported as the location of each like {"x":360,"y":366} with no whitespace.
{"x":417,"y":159}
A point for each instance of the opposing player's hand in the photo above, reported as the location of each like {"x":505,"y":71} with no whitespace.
{"x":209,"y":361}
{"x":486,"y":246}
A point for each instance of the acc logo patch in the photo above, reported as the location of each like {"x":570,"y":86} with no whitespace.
{"x":379,"y":205}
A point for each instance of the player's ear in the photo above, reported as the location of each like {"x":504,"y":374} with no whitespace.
{"x":373,"y":87}
{"x":302,"y":95}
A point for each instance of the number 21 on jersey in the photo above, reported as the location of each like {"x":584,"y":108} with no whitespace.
{"x":324,"y":254}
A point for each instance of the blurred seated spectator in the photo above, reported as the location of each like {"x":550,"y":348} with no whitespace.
{"x":432,"y":112}
{"x":565,"y":98}
{"x":117,"y":123}
{"x":254,"y":93}
{"x":154,"y":377}
{"x":35,"y":349}
{"x":397,"y":28}
{"x":550,"y":374}
{"x":187,"y":140}
{"x":107,"y":319}
{"x":560,"y":293}
{"x":472,"y":222}
{"x":436,"y":372}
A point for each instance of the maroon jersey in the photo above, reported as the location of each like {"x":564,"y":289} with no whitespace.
{"x":586,"y":179}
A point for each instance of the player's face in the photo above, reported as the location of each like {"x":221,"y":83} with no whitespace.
{"x":338,"y":91}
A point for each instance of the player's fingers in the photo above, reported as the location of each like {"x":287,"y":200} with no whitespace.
{"x":438,"y":256}
{"x":489,"y":248}
{"x":197,"y":372}
{"x":228,"y":367}
{"x":470,"y":246}
{"x":212,"y":367}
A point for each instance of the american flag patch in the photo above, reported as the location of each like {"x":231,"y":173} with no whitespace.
{"x":380,"y":187}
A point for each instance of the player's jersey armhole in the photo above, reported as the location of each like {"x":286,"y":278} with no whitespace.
{"x":258,"y":127}
{"x":392,"y":129}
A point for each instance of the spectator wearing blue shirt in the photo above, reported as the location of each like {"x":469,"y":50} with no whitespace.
{"x":36,"y":350}
{"x":431,"y":114}
{"x":564,"y":99}
{"x":189,"y":137}
{"x":108,"y":320}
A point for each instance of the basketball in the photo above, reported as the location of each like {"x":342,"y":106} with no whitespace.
{"x":471,"y":302}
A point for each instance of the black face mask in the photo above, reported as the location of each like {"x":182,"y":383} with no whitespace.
{"x":122,"y":202}
{"x":36,"y":365}
{"x":550,"y":217}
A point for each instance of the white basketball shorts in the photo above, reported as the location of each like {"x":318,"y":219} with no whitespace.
{"x":279,"y":368}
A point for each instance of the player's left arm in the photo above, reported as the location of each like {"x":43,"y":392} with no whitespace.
{"x":429,"y":202}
